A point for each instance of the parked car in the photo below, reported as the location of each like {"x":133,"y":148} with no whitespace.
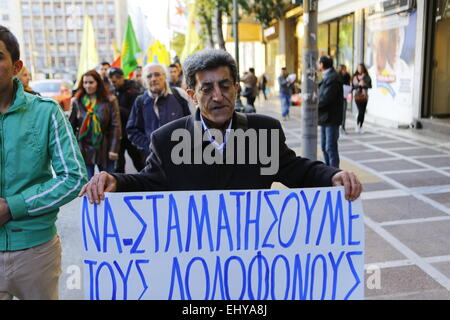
{"x":60,"y":90}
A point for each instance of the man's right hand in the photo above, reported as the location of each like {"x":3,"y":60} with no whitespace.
{"x":99,"y":184}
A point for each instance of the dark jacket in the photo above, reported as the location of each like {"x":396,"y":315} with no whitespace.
{"x":161,"y":174}
{"x":110,"y":126}
{"x":331,"y":101}
{"x":143,"y":119}
{"x":285,"y":86}
{"x":126,"y":96}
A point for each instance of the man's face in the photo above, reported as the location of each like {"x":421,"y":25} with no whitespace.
{"x":215,"y":93}
{"x":156,"y":79}
{"x":284,"y":72}
{"x":117,"y":81}
{"x":8,"y":69}
{"x":320,"y":66}
{"x":174,"y":74}
{"x":138,"y":75}
{"x":104,"y":70}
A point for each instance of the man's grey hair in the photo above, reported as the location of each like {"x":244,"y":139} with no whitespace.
{"x":146,"y":71}
{"x":208,"y":59}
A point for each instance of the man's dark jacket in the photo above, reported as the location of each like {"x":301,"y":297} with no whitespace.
{"x":161,"y":174}
{"x":126,"y":95}
{"x":143,"y":120}
{"x":331,"y":100}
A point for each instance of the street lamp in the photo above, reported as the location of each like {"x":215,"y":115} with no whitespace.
{"x":239,"y":107}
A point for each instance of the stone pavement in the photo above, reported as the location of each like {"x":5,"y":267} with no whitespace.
{"x":406,"y":201}
{"x":406,"y":178}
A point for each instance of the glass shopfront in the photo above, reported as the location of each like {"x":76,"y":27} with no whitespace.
{"x":440,"y":101}
{"x":335,"y":38}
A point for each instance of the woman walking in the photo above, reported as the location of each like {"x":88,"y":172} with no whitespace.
{"x":25,"y":77}
{"x":361,"y":83}
{"x":345,"y":79}
{"x":95,"y":119}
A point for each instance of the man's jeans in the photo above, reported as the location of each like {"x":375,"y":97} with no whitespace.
{"x":329,"y":139}
{"x":285,"y":104}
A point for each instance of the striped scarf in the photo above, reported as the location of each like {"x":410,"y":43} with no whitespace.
{"x":91,"y":123}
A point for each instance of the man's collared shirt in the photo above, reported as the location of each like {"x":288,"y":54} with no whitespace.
{"x":212,"y":140}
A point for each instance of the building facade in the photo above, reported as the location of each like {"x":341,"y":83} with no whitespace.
{"x":403,"y":43}
{"x":51,"y":33}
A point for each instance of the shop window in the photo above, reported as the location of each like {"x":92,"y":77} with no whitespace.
{"x":345,"y":42}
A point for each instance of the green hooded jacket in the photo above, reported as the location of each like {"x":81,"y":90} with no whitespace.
{"x":35,"y":137}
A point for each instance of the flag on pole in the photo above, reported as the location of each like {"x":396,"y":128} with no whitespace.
{"x":116,"y":50}
{"x":88,"y":53}
{"x":192,"y":42}
{"x":178,"y":16}
{"x":130,"y":48}
{"x":157,"y":52}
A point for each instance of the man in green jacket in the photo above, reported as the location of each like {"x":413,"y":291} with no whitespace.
{"x":35,"y":137}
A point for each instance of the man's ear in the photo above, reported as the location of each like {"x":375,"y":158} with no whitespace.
{"x":191,"y":94}
{"x":18,"y":65}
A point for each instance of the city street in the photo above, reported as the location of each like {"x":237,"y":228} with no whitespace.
{"x":406,"y":177}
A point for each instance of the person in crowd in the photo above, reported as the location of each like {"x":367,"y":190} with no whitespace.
{"x":361,"y":83}
{"x":160,"y":104}
{"x":180,"y":74}
{"x":286,"y":90}
{"x":250,"y":86}
{"x":211,"y":76}
{"x":262,"y":84}
{"x":95,"y":119}
{"x":345,"y":78}
{"x":126,"y":92}
{"x":137,"y":77}
{"x":103,"y":70}
{"x":174,"y":79}
{"x":331,"y":103}
{"x":25,"y":77}
{"x":42,"y":170}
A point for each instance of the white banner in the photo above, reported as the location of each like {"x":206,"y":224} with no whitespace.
{"x":257,"y":244}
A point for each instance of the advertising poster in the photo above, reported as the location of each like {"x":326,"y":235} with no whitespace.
{"x":390,"y":54}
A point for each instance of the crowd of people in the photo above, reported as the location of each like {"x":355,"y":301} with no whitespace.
{"x":51,"y":158}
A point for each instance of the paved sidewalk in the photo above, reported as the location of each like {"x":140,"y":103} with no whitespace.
{"x":406,"y":178}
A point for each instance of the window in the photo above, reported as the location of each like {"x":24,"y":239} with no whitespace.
{"x":5,"y":17}
{"x":345,"y":50}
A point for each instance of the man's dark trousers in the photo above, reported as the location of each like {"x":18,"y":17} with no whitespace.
{"x":136,"y":156}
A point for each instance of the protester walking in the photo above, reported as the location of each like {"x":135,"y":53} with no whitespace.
{"x":211,"y":76}
{"x":42,"y":170}
{"x":25,"y":77}
{"x":361,"y":83}
{"x":160,"y":104}
{"x":174,"y":76}
{"x":103,"y":70}
{"x":345,"y":79}
{"x":262,"y":85}
{"x":95,"y":119}
{"x":286,"y":90}
{"x":330,"y":110}
{"x":126,"y":92}
{"x":250,"y":86}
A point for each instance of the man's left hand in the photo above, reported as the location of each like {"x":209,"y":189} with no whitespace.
{"x":5,"y":214}
{"x":350,"y":181}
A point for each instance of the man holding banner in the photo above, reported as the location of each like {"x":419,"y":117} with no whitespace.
{"x":218,"y":148}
